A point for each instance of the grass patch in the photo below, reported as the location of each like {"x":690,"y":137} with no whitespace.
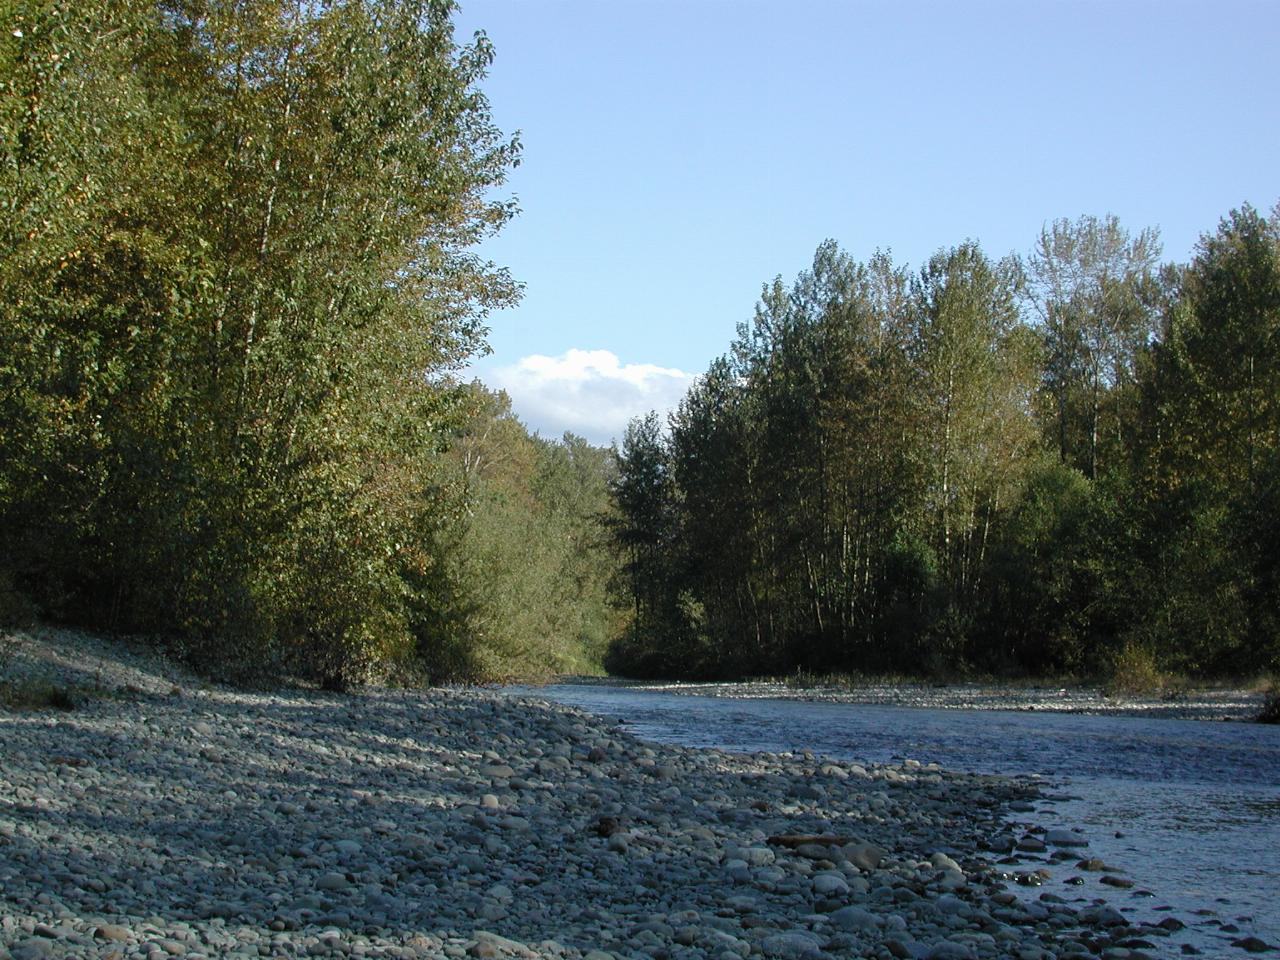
{"x":39,"y":695}
{"x":30,"y":693}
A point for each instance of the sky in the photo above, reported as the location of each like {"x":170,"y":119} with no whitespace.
{"x":678,"y":154}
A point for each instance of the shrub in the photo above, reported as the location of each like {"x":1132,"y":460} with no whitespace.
{"x":1134,"y":670}
{"x":1270,"y":712}
{"x":37,"y":695}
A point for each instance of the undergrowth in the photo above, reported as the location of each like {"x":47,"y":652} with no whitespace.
{"x":1270,"y":712}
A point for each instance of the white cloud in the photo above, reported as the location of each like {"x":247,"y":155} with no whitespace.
{"x":589,"y":392}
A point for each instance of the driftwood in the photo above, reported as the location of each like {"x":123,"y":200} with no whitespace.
{"x":793,"y":840}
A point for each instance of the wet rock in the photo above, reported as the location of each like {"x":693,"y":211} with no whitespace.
{"x":1253,"y":945}
{"x":1065,"y":838}
{"x":1112,"y":880}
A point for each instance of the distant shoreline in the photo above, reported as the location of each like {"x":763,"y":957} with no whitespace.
{"x":1208,"y":703}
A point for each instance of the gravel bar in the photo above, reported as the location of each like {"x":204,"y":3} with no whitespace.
{"x":1225,"y":703}
{"x":165,"y":817}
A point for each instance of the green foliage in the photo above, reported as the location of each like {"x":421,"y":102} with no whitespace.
{"x":38,"y":695}
{"x":524,"y":564}
{"x":1047,"y":575}
{"x":236,"y":273}
{"x":1208,"y":461}
{"x":16,"y":609}
{"x":1135,"y":671}
{"x":904,"y":473}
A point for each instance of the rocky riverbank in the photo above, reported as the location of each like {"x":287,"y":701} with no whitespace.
{"x":162,"y":817}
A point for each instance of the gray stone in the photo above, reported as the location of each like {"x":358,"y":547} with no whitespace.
{"x":830,"y":885}
{"x":865,"y":856}
{"x":1065,"y":838}
{"x":791,"y":946}
{"x":332,"y":882}
{"x":854,"y":918}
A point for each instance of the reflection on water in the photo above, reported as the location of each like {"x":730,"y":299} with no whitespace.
{"x":1189,"y":809}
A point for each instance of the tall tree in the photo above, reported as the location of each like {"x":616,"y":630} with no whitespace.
{"x":644,"y":526}
{"x":975,"y":372}
{"x":1211,"y":445}
{"x":716,"y":469}
{"x":1090,"y":283}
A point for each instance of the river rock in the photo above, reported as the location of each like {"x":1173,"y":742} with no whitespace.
{"x":830,"y":885}
{"x":1065,"y":838}
{"x":791,"y":946}
{"x":854,"y":918}
{"x":865,"y":856}
{"x":332,"y":882}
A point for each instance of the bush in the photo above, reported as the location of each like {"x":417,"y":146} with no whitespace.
{"x":38,"y":695}
{"x":16,"y":609}
{"x":1134,"y":670}
{"x":1270,"y":712}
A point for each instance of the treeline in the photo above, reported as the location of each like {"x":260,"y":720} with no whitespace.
{"x":236,"y":283}
{"x":1046,"y":464}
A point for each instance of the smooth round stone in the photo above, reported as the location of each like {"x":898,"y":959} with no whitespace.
{"x":864,"y":856}
{"x":829,"y":885}
{"x":791,"y":946}
{"x":756,"y":856}
{"x":854,"y":918}
{"x":35,"y":948}
{"x":944,"y":862}
{"x":950,"y":950}
{"x":332,"y":882}
{"x":1065,"y":838}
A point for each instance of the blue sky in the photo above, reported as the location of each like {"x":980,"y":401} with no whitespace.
{"x":677,"y":155}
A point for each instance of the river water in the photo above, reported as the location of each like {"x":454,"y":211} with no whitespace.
{"x":1190,"y":810}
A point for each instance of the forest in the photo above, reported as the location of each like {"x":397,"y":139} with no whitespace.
{"x":239,"y":289}
{"x":1063,"y":464}
{"x":238,"y":284}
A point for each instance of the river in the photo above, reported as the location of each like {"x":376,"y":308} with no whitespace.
{"x":1190,"y":810}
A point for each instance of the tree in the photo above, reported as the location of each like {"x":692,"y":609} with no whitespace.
{"x":1210,"y":447}
{"x":523,"y":561}
{"x":643,"y":529}
{"x":974,"y":367}
{"x":246,"y":318}
{"x":1090,"y":283}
